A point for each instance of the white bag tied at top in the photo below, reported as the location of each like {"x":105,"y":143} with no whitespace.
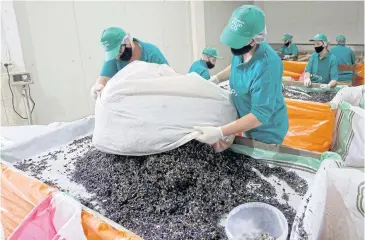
{"x":148,"y":108}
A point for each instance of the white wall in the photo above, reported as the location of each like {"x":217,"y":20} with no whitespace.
{"x":60,"y":42}
{"x":11,"y":50}
{"x":217,"y":14}
{"x":303,"y":19}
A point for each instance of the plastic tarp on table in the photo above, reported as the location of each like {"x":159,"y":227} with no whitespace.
{"x":16,"y":193}
{"x":21,"y":193}
{"x":310,"y":125}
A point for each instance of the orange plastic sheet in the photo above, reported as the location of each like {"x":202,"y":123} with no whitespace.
{"x":360,"y":73}
{"x":21,"y":193}
{"x":294,"y":69}
{"x":310,"y":125}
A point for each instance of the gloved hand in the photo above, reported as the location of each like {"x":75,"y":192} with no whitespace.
{"x":286,"y":57}
{"x":210,"y":135}
{"x":96,"y":89}
{"x":325,"y":86}
{"x":307,"y":82}
{"x":214,"y":79}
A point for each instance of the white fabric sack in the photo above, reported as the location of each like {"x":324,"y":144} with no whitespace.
{"x":349,"y":134}
{"x":148,"y":108}
{"x":352,"y":95}
{"x":336,"y":207}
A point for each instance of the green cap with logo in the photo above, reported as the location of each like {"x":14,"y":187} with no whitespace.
{"x":341,"y":38}
{"x":211,"y":52}
{"x":111,"y":40}
{"x":245,"y":23}
{"x":287,"y":37}
{"x":319,"y":37}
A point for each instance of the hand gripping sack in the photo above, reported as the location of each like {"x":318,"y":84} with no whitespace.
{"x":148,"y":108}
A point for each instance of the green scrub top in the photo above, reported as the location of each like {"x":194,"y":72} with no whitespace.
{"x":256,"y":87}
{"x":200,"y":67}
{"x":322,"y":70}
{"x":344,"y":55}
{"x":292,"y":49}
{"x":149,"y":53}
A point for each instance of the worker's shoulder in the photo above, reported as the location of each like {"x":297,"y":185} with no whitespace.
{"x":198,"y":65}
{"x":268,"y":57}
{"x":332,"y":57}
{"x":149,"y":46}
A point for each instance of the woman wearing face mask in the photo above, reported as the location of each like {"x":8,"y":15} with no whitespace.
{"x":255,"y":80}
{"x":121,"y":49}
{"x":289,"y":49}
{"x":208,"y":61}
{"x":322,"y":66}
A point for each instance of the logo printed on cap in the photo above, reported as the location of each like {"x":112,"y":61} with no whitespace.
{"x":236,"y":23}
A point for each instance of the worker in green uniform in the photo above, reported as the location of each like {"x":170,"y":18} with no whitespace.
{"x":121,"y":49}
{"x":208,"y":61}
{"x":289,"y":49}
{"x":322,"y":67}
{"x":255,"y":81}
{"x":345,"y":56}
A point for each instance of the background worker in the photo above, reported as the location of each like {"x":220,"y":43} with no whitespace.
{"x":344,"y":55}
{"x":255,"y":81}
{"x":322,"y":67}
{"x":289,"y":50}
{"x":208,"y":61}
{"x":121,"y":49}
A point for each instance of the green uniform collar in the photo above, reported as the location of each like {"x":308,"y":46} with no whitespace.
{"x":257,"y":54}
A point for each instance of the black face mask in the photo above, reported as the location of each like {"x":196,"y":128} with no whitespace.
{"x":287,"y":44}
{"x":241,"y":51}
{"x":127,"y":54}
{"x":319,"y":49}
{"x":210,"y":65}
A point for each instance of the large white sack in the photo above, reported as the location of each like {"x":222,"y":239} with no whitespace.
{"x":336,"y":207}
{"x":353,"y":95}
{"x":148,"y":108}
{"x":349,"y":134}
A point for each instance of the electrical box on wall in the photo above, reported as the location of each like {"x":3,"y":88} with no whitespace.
{"x":22,"y":78}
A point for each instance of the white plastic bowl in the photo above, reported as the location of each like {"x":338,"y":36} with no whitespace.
{"x":256,"y":218}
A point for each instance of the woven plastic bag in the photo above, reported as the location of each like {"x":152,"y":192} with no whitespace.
{"x":56,"y":217}
{"x":349,"y":134}
{"x":148,"y":108}
{"x":334,"y":206}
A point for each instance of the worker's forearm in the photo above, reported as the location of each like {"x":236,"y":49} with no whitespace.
{"x":332,"y":83}
{"x":102,"y":80}
{"x":224,"y":74}
{"x":243,"y":124}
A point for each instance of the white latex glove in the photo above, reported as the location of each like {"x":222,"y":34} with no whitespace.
{"x":307,"y":82}
{"x":324,"y":86}
{"x":214,"y":79}
{"x":96,"y":89}
{"x":210,"y":135}
{"x":286,"y":57}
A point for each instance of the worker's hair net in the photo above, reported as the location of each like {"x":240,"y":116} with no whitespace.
{"x":205,"y":57}
{"x":259,"y":38}
{"x":341,"y":41}
{"x":128,"y":39}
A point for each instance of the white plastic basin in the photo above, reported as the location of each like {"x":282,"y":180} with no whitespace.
{"x":255,"y":218}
